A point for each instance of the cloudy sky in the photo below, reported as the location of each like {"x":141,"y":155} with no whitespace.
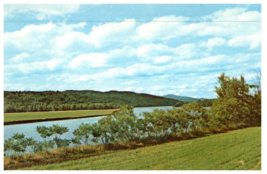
{"x":155,"y":49}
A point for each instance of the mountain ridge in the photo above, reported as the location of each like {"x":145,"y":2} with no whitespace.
{"x":184,"y":98}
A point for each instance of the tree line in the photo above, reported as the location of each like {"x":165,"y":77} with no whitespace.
{"x":29,"y":101}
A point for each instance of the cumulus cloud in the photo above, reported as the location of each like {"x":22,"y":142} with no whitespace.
{"x":19,"y":58}
{"x":112,"y":31}
{"x":103,"y":59}
{"x":251,"y":41}
{"x":213,"y":42}
{"x":131,"y":82}
{"x":42,"y":11}
{"x":234,"y":15}
{"x":72,"y":38}
{"x":162,"y":59}
{"x":162,"y":28}
{"x":33,"y":67}
{"x":37,"y":37}
{"x":169,"y":54}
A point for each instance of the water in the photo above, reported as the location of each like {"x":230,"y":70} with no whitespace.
{"x":29,"y":129}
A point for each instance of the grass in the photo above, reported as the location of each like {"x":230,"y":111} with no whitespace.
{"x":28,"y":116}
{"x":235,"y":150}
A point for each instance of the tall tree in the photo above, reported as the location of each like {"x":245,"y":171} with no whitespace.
{"x":234,"y":102}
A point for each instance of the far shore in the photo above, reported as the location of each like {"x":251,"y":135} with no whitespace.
{"x":51,"y":119}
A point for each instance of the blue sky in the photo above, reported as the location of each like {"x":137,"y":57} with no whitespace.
{"x":155,"y":49}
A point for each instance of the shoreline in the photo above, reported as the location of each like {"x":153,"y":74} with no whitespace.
{"x":52,"y":119}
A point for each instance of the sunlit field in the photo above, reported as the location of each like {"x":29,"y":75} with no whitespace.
{"x":26,"y":116}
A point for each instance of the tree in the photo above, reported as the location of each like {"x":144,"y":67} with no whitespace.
{"x":83,"y":133}
{"x":19,"y":144}
{"x":234,"y":105}
{"x":8,"y":146}
{"x":125,"y":122}
{"x":57,"y":131}
{"x":195,"y":114}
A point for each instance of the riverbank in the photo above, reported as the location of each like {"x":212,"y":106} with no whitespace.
{"x":221,"y":145}
{"x":34,"y":117}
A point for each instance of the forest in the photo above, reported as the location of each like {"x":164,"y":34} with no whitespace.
{"x":30,"y":101}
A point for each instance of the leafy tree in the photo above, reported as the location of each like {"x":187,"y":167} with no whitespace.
{"x":8,"y":145}
{"x":194,"y":113}
{"x":125,"y":122}
{"x":57,"y":131}
{"x":83,"y":133}
{"x":235,"y":104}
{"x":30,"y":142}
{"x":178,"y":120}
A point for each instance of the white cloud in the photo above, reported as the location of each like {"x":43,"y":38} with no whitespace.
{"x":162,"y":28}
{"x":162,"y":59}
{"x":131,"y":82}
{"x":31,"y":67}
{"x":55,"y":63}
{"x":112,"y":31}
{"x":186,"y":51}
{"x":184,"y":66}
{"x":235,"y":15}
{"x":129,"y":89}
{"x":43,"y":10}
{"x":133,"y":70}
{"x":159,"y":53}
{"x":37,"y":37}
{"x":19,"y":58}
{"x":149,"y":51}
{"x":103,"y":59}
{"x":252,"y":41}
{"x":72,"y":38}
{"x":89,"y":60}
{"x":213,"y":42}
{"x":140,"y":89}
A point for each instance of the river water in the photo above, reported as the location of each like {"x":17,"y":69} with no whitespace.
{"x":29,"y":129}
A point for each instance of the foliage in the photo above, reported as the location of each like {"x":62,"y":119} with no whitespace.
{"x":29,"y":101}
{"x":56,"y":131}
{"x":82,"y":133}
{"x":235,"y":105}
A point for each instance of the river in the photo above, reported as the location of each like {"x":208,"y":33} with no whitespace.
{"x":29,"y":129}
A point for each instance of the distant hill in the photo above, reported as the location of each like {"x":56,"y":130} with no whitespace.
{"x":184,"y":98}
{"x":23,"y":101}
{"x":126,"y":97}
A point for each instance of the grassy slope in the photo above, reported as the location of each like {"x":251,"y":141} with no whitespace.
{"x":9,"y":117}
{"x":236,"y":150}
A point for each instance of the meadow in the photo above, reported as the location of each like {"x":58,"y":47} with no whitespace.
{"x":234,"y":150}
{"x":31,"y":116}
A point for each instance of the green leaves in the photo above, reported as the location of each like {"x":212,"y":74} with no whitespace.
{"x":56,"y":130}
{"x":83,"y":133}
{"x":235,"y":105}
{"x":44,"y":131}
{"x":18,"y":136}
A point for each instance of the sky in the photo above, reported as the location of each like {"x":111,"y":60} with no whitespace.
{"x":157,"y":49}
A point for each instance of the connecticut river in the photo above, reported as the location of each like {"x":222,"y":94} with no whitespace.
{"x":29,"y":129}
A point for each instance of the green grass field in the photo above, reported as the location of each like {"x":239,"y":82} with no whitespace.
{"x":25,"y":116}
{"x":236,"y":150}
